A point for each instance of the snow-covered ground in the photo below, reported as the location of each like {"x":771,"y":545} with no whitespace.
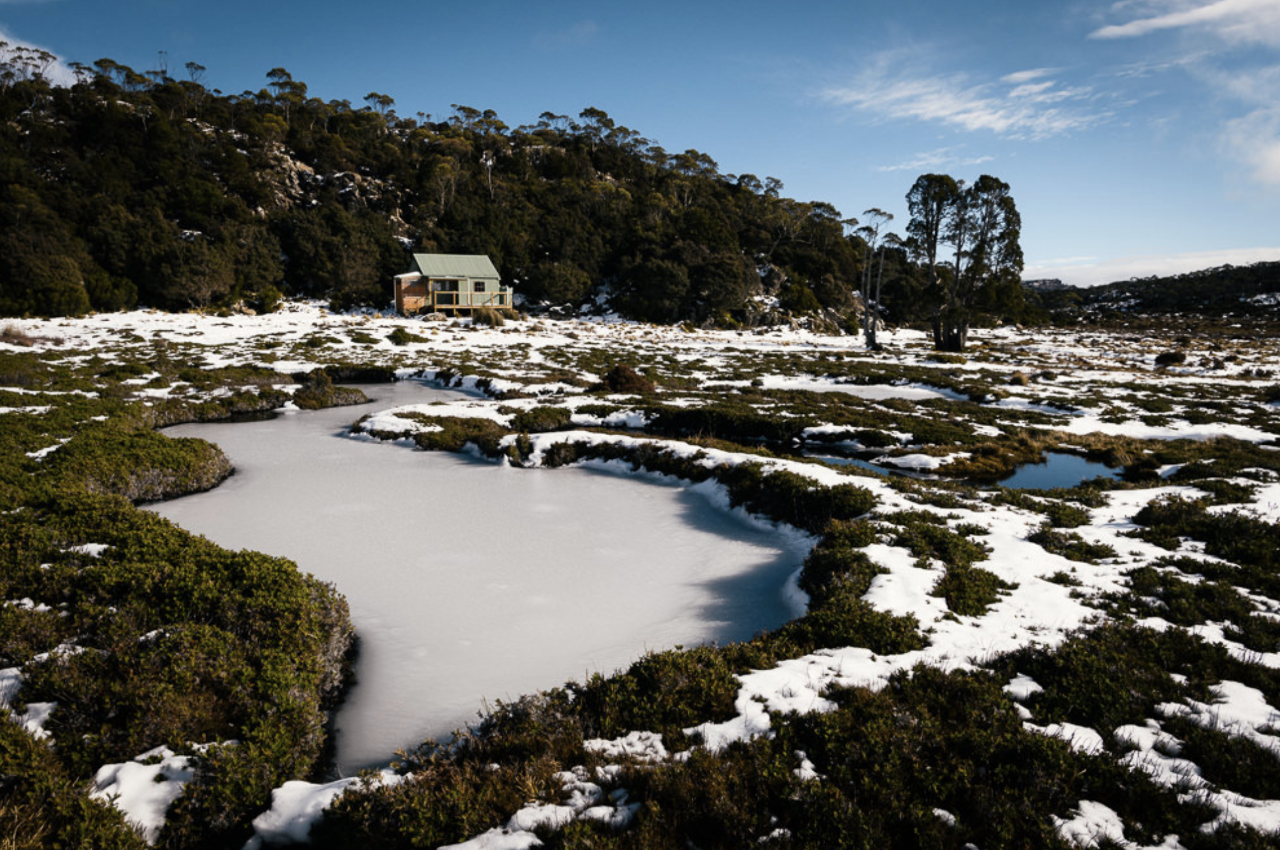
{"x":1075,"y":384}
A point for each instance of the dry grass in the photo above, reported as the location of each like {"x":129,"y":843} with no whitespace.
{"x":11,"y":335}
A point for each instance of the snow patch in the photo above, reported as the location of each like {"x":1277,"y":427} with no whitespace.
{"x":297,"y":806}
{"x":144,"y":788}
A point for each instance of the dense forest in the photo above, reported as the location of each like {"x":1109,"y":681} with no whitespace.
{"x":131,"y":188}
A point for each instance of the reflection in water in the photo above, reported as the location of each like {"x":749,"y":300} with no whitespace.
{"x":1058,"y":470}
{"x":472,"y":581}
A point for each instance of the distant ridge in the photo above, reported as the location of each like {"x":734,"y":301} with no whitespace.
{"x":1048,"y":284}
{"x":1252,"y":290}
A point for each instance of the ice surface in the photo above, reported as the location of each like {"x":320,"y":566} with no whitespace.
{"x":470,"y":581}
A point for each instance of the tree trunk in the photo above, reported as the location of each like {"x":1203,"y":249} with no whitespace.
{"x":948,"y":337}
{"x":950,"y":330}
{"x":871,"y":334}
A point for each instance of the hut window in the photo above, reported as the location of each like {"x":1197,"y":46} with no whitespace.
{"x":479,"y":286}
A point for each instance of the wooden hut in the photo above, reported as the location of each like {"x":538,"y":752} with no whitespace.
{"x":450,"y":283}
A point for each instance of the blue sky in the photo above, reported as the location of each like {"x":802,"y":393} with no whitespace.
{"x":1139,"y":137}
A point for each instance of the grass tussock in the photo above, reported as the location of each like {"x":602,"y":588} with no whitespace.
{"x":999,"y":459}
{"x":624,"y":379}
{"x":492,"y":317}
{"x":402,"y":336}
{"x":14,"y":335}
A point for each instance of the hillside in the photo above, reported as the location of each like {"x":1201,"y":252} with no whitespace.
{"x":128,"y":189}
{"x":1225,"y":291}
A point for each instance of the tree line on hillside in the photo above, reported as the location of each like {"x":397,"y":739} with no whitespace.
{"x":1222,"y":291}
{"x":130,"y":188}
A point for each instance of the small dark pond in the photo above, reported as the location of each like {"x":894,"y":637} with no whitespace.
{"x":1058,"y":469}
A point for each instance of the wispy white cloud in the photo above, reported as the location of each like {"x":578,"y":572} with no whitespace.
{"x":1017,"y":78}
{"x":1153,"y":67}
{"x":1251,"y":139}
{"x":1090,"y":271}
{"x":935,"y":161}
{"x":1247,"y":82}
{"x":1258,"y":85}
{"x":1013,"y":106}
{"x":581,"y":33}
{"x":1049,"y":92}
{"x":1236,"y":21}
{"x":1254,"y":140}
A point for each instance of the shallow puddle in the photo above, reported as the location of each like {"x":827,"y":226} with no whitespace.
{"x":1059,"y":470}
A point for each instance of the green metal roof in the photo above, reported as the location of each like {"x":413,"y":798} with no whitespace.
{"x":475,"y":266}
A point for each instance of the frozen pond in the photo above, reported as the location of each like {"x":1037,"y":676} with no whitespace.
{"x":471,"y":581}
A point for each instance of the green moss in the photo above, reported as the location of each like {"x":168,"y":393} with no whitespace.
{"x":1226,"y":492}
{"x":843,"y":620}
{"x":1163,"y":593}
{"x":43,"y":806}
{"x":970,"y":591}
{"x":835,"y":565}
{"x":622,"y":378}
{"x":357,"y":373}
{"x":541,"y":419}
{"x":318,"y":392}
{"x":1238,"y":537}
{"x":924,"y":539}
{"x":663,"y":692}
{"x":456,"y":434}
{"x":1064,"y":515}
{"x":792,"y":498}
{"x":1228,"y":761}
{"x":140,"y":465}
{"x":739,"y":423}
{"x":950,"y":741}
{"x":182,"y":642}
{"x":1070,"y":545}
{"x":401,"y":336}
{"x":1114,"y":675}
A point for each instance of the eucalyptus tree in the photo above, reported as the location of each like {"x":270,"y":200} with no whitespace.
{"x":929,"y":201}
{"x":889,"y":240}
{"x":289,"y":94}
{"x":870,"y":233}
{"x":981,"y":225}
{"x":380,"y":103}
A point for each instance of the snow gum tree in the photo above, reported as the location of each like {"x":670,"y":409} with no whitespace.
{"x":980,"y":226}
{"x":875,"y":242}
